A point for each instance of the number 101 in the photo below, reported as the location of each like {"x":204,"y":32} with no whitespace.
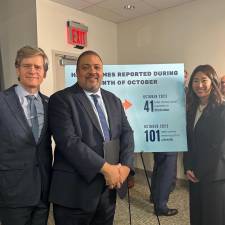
{"x":152,"y":135}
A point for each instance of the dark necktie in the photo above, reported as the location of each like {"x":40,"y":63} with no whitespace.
{"x":33,"y":116}
{"x":102,"y":118}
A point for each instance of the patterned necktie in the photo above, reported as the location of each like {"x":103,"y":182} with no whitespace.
{"x":33,"y":116}
{"x":102,"y":118}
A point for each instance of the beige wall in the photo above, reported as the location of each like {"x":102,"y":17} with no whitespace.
{"x":192,"y":34}
{"x":51,"y":25}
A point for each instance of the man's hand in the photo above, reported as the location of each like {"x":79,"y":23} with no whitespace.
{"x":112,"y":175}
{"x":124,"y":172}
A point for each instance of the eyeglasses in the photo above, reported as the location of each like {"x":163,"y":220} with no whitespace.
{"x":37,"y":68}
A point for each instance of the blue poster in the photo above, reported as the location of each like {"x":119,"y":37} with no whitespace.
{"x":153,"y":97}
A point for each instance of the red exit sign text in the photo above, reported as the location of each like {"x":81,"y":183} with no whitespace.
{"x":77,"y":34}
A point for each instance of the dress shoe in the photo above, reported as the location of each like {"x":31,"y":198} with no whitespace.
{"x":166,"y":212}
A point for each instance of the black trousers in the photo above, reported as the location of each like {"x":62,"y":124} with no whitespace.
{"x":102,"y":215}
{"x":207,"y":203}
{"x":33,"y":215}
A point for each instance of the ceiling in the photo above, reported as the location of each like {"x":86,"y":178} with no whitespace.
{"x":114,"y":11}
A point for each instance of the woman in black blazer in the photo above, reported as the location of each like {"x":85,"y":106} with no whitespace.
{"x":204,"y":163}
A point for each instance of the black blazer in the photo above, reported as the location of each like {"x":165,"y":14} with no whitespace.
{"x":25,"y":166}
{"x":76,"y":180}
{"x":206,"y":144}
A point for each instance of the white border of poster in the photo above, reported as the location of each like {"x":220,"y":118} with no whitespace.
{"x":154,"y":100}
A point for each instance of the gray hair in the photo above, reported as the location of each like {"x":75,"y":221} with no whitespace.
{"x":28,"y":51}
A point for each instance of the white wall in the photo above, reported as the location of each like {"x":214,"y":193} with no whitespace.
{"x":51,"y":25}
{"x":193,"y":34}
{"x":18,"y":28}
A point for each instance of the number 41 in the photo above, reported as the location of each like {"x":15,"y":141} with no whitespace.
{"x":148,"y":106}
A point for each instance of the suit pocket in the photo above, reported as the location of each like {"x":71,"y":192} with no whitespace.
{"x":10,"y":178}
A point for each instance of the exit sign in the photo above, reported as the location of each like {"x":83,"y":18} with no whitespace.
{"x":77,"y":34}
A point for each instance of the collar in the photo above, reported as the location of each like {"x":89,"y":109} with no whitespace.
{"x":22,"y":93}
{"x":93,"y":93}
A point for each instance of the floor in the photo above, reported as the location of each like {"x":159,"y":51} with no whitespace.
{"x":142,"y":210}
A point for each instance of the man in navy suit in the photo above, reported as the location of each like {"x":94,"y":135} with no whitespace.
{"x":163,"y":179}
{"x":163,"y":182}
{"x":25,"y":152}
{"x":85,"y":120}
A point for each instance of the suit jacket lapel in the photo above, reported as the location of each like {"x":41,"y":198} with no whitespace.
{"x":17,"y":110}
{"x":81,"y":96}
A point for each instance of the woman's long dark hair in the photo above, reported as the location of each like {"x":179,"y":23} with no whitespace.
{"x":215,"y":97}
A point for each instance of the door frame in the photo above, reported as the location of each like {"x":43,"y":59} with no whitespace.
{"x":58,"y":69}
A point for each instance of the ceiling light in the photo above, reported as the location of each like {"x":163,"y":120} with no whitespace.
{"x":129,"y":7}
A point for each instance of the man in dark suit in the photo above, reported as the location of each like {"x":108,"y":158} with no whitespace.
{"x":85,"y":127}
{"x":25,"y":152}
{"x":163,"y":179}
{"x":163,"y":182}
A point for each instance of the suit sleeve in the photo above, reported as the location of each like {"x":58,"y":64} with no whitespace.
{"x":187,"y":156}
{"x":70,"y":146}
{"x":126,"y":142}
{"x":187,"y":161}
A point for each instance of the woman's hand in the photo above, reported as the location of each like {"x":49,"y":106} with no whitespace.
{"x":191,"y":176}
